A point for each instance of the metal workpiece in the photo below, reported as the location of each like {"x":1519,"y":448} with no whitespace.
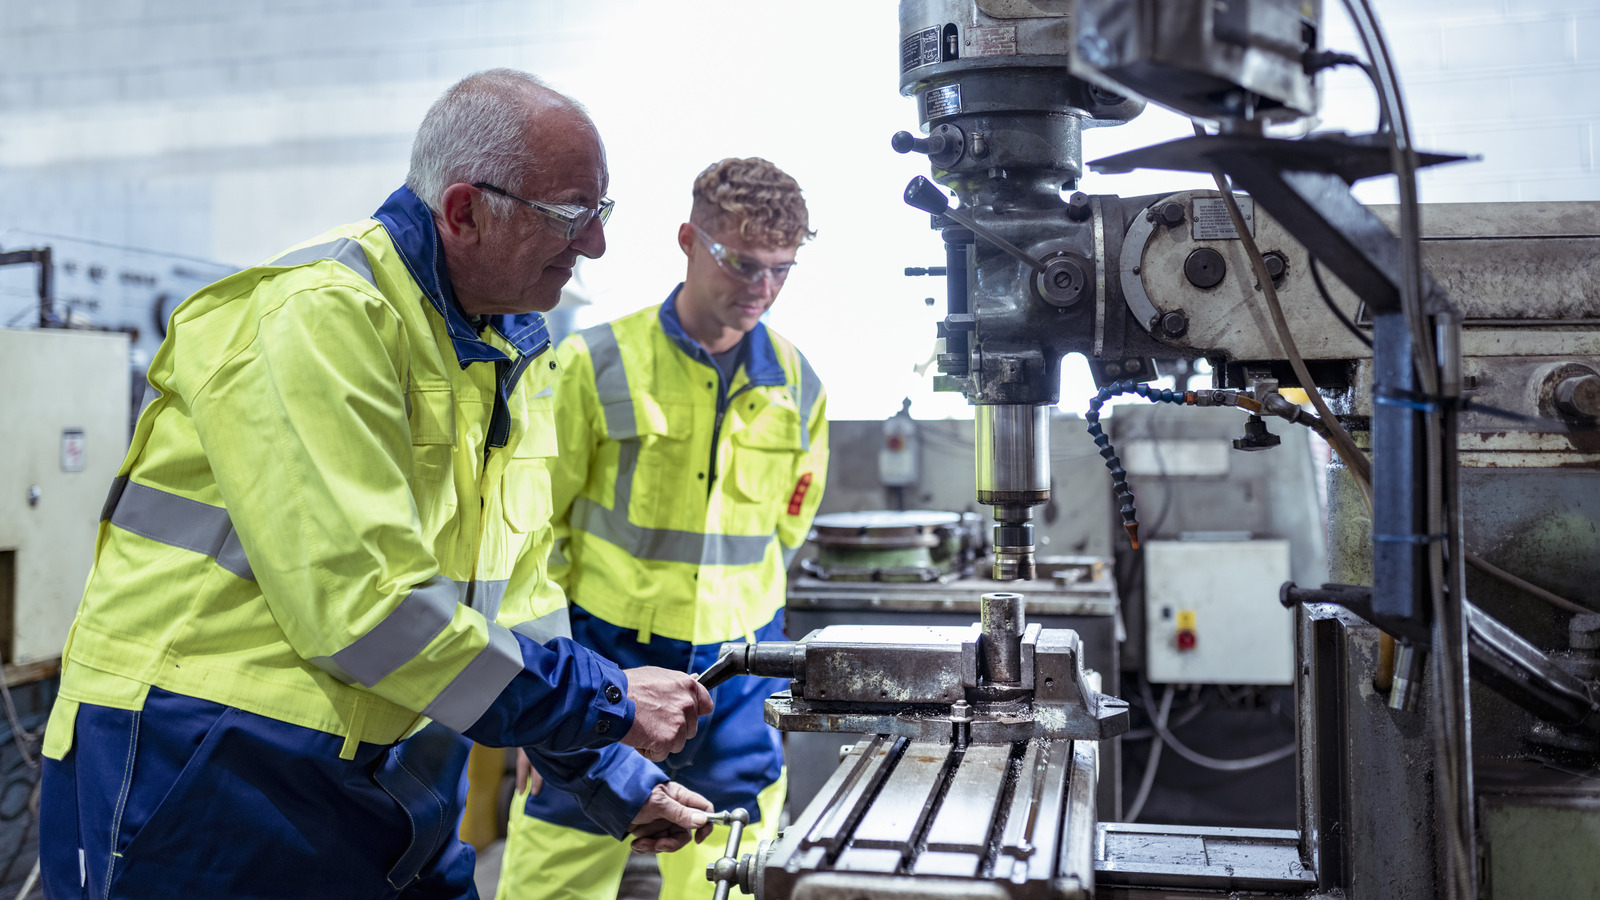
{"x":1000,"y":643}
{"x":908,"y":680}
{"x":907,"y":818}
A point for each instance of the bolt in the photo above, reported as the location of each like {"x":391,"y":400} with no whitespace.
{"x":1175,"y":324}
{"x":1132,"y":365}
{"x":1276,"y":263}
{"x":1078,"y":206}
{"x":1579,"y":395}
{"x":1205,"y":268}
{"x":1171,"y":214}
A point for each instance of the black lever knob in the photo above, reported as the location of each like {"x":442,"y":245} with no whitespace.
{"x":925,"y":195}
{"x":906,"y":142}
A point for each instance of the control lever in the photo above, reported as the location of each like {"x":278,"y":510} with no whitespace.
{"x":763,"y":659}
{"x":925,"y":195}
{"x":729,"y":663}
{"x":725,"y":871}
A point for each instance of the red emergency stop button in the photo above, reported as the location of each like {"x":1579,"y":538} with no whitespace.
{"x":1186,"y":630}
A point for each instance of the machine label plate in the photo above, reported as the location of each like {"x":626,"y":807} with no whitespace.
{"x":1212,"y":223}
{"x":940,"y":102}
{"x":72,"y":450}
{"x":920,"y":49}
{"x":994,"y":40}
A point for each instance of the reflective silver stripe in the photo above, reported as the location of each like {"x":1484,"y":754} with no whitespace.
{"x":347,"y":251}
{"x":465,"y":699}
{"x":550,"y":625}
{"x":396,"y":640}
{"x":611,"y":382}
{"x":177,"y":522}
{"x":484,"y":596}
{"x":151,"y":395}
{"x":789,"y":553}
{"x":665,"y":545}
{"x":810,"y":390}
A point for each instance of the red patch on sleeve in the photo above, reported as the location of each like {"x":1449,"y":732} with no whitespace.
{"x":798,"y":498}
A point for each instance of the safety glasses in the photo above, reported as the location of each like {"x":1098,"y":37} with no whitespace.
{"x":571,"y":218}
{"x":745,"y":270}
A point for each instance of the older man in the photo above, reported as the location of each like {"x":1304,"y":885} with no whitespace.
{"x":331,"y":528}
{"x":694,"y":444}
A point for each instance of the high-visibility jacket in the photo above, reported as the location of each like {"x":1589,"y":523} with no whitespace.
{"x":680,"y":497}
{"x":335,"y":512}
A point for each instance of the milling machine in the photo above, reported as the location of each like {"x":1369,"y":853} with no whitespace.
{"x":1459,"y":351}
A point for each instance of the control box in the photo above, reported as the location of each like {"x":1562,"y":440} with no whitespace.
{"x":64,"y":405}
{"x":1212,"y":614}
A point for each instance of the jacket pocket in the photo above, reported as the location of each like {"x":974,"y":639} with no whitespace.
{"x":431,"y":414}
{"x":764,"y":455}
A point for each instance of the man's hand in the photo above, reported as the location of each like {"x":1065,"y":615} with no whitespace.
{"x":667,"y":710}
{"x":669,"y":818}
{"x":528,"y":778}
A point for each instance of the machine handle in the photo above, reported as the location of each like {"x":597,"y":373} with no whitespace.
{"x":925,"y":195}
{"x":725,"y":871}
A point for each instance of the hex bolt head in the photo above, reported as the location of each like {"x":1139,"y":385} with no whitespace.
{"x":1170,"y":214}
{"x":1175,"y":324}
{"x":1579,"y":396}
{"x":1205,"y":268}
{"x":1078,"y":207}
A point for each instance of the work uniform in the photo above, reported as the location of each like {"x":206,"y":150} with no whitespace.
{"x":681,"y":495}
{"x":332,"y":527}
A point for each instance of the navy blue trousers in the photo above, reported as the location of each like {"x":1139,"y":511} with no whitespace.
{"x":188,"y":798}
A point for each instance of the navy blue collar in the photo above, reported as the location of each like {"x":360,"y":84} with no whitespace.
{"x":409,"y":222}
{"x":760,"y":364}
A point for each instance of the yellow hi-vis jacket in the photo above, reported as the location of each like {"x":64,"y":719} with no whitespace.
{"x":323,"y":507}
{"x":680,"y":500}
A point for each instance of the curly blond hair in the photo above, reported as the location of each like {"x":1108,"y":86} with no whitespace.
{"x":754,"y":198}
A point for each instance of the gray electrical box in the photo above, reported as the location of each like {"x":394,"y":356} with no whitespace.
{"x":1212,"y":614}
{"x":63,"y":433}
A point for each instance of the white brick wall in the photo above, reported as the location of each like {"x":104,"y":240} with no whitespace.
{"x":1514,"y":81}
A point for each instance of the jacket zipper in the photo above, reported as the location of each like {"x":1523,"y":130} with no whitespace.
{"x":716,"y":434}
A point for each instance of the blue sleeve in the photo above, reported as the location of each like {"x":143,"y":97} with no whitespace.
{"x":610,"y":784}
{"x":565,"y":698}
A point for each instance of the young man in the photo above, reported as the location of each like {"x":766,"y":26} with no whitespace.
{"x":693,"y":451}
{"x":325,"y":534}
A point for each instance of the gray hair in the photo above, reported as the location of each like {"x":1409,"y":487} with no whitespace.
{"x":477,"y":131}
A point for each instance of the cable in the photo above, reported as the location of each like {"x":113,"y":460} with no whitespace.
{"x":1327,"y":299}
{"x":1200,"y":759}
{"x":1493,"y":571}
{"x":19,"y":735}
{"x":1150,"y":766}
